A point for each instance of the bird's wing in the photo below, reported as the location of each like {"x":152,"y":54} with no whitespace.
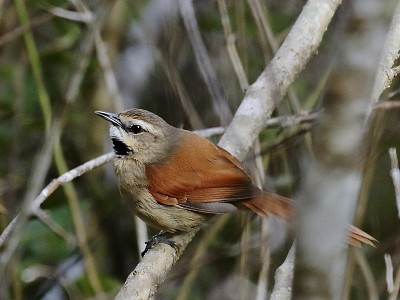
{"x":200,"y":176}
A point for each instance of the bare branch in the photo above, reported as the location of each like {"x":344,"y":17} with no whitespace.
{"x":387,"y":105}
{"x":85,"y":17}
{"x":151,"y":271}
{"x":55,"y":227}
{"x":284,"y":277}
{"x":55,"y":184}
{"x":389,"y":272}
{"x":396,"y":287}
{"x":277,"y":122}
{"x":395,"y":173}
{"x":385,"y":73}
{"x":261,"y":97}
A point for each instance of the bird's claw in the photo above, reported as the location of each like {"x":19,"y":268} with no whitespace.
{"x":159,"y":238}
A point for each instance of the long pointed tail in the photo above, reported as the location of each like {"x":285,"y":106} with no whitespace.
{"x":357,"y":237}
{"x":281,"y":207}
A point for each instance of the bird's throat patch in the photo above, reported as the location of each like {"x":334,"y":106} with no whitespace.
{"x":120,"y":148}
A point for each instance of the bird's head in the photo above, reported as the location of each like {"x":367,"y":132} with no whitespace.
{"x":141,"y":135}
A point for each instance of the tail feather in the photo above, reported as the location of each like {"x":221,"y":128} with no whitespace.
{"x":282,"y":207}
{"x":357,"y":237}
{"x":271,"y":204}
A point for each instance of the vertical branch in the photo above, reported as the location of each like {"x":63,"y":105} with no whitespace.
{"x":395,"y":173}
{"x":389,"y":272}
{"x":284,"y":277}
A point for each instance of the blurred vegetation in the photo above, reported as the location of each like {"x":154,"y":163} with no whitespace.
{"x":54,"y":69}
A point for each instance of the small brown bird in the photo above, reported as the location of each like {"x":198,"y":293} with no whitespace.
{"x":175,"y":180}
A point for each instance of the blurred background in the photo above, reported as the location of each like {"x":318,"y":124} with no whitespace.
{"x":62,"y":60}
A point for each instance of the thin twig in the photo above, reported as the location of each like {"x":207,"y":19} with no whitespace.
{"x":55,"y":184}
{"x":277,"y":122}
{"x":387,"y":105}
{"x":55,"y":227}
{"x":84,"y":17}
{"x":293,"y":120}
{"x":395,"y":173}
{"x":71,"y":175}
{"x":204,"y":64}
{"x":102,"y":55}
{"x":20,"y":30}
{"x":230,"y":45}
{"x":175,"y":80}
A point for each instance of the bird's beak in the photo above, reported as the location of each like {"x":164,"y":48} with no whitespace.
{"x":110,"y":117}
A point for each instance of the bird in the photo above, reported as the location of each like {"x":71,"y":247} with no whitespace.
{"x":176,"y":180}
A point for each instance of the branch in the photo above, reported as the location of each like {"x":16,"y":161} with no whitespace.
{"x":277,"y":122}
{"x":385,"y":74}
{"x":54,"y":185}
{"x":395,"y":173}
{"x":256,"y":108}
{"x":151,"y":271}
{"x":261,"y":97}
{"x":284,"y":277}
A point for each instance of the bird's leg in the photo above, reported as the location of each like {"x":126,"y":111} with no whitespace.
{"x":162,"y":237}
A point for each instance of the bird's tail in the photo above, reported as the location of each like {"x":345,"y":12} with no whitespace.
{"x":271,"y":204}
{"x":281,"y":207}
{"x":357,"y":237}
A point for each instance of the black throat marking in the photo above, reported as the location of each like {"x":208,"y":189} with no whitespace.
{"x":120,"y":148}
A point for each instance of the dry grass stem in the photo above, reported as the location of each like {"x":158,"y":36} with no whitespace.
{"x":231,"y":47}
{"x":204,"y":63}
{"x":368,"y":276}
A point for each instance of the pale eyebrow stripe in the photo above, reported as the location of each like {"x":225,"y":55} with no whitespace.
{"x":146,"y":126}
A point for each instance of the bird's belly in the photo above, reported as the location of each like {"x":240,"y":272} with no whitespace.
{"x":165,"y":217}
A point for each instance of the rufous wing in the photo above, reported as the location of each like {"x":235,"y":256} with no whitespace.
{"x":198,"y":172}
{"x":202,"y":177}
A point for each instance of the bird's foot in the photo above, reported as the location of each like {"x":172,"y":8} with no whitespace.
{"x":162,"y":237}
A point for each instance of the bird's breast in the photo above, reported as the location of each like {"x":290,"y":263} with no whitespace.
{"x":133,"y":187}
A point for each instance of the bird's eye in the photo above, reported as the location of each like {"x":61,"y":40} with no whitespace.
{"x":136,"y":129}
